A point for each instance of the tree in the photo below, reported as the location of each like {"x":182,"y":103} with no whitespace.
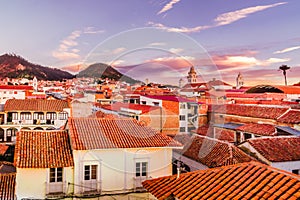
{"x":284,"y":68}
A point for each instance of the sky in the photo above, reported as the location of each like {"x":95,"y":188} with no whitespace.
{"x":159,"y":40}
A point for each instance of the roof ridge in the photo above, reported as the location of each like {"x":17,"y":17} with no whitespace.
{"x":283,"y":113}
{"x":213,"y":139}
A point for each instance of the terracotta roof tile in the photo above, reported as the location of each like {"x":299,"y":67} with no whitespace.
{"x":43,"y":149}
{"x":105,"y":133}
{"x":292,"y":117}
{"x":258,"y":129}
{"x":240,"y":181}
{"x":35,"y":105}
{"x":7,"y":186}
{"x":251,"y":111}
{"x":277,"y":149}
{"x":3,"y":149}
{"x":210,"y":152}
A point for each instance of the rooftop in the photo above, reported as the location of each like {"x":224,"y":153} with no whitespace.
{"x":43,"y":149}
{"x":258,"y":129}
{"x":7,"y":186}
{"x":291,"y":117}
{"x":35,"y":105}
{"x":210,"y":152}
{"x":107,"y":133}
{"x":267,"y":112}
{"x":240,"y":181}
{"x":277,"y":149}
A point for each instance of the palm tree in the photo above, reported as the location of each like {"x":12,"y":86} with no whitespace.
{"x":284,"y":68}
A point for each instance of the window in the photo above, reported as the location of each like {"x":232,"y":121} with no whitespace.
{"x":56,"y":175}
{"x":63,"y":116}
{"x":156,"y":103}
{"x":14,"y":116}
{"x":25,"y":116}
{"x":141,"y":169}
{"x":295,"y":171}
{"x":144,"y":102}
{"x":182,"y":129}
{"x":182,"y":106}
{"x":90,"y":172}
{"x":247,"y":136}
{"x":51,"y":116}
{"x":182,"y":117}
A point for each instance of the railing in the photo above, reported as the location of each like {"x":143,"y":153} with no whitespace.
{"x":137,"y":181}
{"x":55,"y":189}
{"x":90,"y":186}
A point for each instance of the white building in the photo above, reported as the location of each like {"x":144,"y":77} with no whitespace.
{"x":116,"y":155}
{"x":44,"y":164}
{"x":32,"y":114}
{"x":14,"y":92}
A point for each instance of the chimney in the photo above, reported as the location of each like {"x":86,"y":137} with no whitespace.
{"x":178,"y":169}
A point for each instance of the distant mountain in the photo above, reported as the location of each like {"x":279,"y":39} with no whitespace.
{"x":100,"y":70}
{"x":14,"y":66}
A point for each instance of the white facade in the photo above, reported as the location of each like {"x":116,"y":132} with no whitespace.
{"x":6,"y":94}
{"x":149,"y":101}
{"x":36,"y":181}
{"x":116,"y":168}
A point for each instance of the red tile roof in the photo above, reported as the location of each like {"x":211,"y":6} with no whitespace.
{"x":277,"y":149}
{"x":35,"y":105}
{"x":210,"y":152}
{"x":240,"y":181}
{"x":291,"y":117}
{"x":100,"y":114}
{"x":15,"y":87}
{"x":43,"y":149}
{"x":103,"y":133}
{"x":7,"y":186}
{"x":3,"y":149}
{"x":143,"y":108}
{"x":225,"y":135}
{"x":169,"y":98}
{"x":258,"y":129}
{"x":267,"y":112}
{"x":220,"y":134}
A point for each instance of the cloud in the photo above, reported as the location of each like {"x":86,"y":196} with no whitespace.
{"x":287,"y":50}
{"x":240,"y":62}
{"x":178,"y":30}
{"x":220,"y":20}
{"x":174,"y":62}
{"x":230,"y":17}
{"x":66,"y":49}
{"x":118,"y":50}
{"x":116,"y":62}
{"x":168,"y":6}
{"x":157,"y":44}
{"x":74,"y":68}
{"x":91,"y":30}
{"x":176,"y":50}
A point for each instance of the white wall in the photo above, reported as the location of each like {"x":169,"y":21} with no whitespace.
{"x":32,"y":182}
{"x":287,"y":166}
{"x":10,"y":94}
{"x":149,"y":101}
{"x":117,"y":166}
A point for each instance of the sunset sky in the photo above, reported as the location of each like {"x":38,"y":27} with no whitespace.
{"x":159,"y":40}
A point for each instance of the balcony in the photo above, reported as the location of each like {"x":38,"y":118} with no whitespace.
{"x":56,"y":189}
{"x":90,"y":187}
{"x":137,"y":181}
